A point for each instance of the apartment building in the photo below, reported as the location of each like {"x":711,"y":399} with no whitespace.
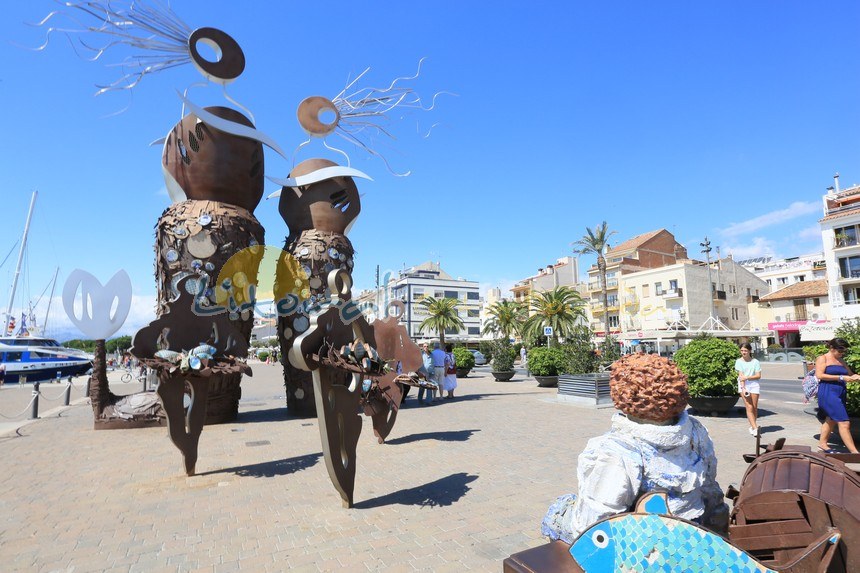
{"x":780,"y":273}
{"x":840,"y":235}
{"x":429,"y":279}
{"x":649,"y":250}
{"x":663,"y":305}
{"x":565,"y":272}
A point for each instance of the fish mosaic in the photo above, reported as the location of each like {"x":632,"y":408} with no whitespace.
{"x":651,"y":539}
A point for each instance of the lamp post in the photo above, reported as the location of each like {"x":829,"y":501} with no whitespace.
{"x":706,"y":248}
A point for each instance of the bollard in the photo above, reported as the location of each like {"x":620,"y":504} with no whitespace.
{"x":34,"y":413}
{"x":67,"y":395}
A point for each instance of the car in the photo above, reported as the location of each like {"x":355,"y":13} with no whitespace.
{"x":480,"y":359}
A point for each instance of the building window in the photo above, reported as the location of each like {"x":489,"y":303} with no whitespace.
{"x":768,"y":282}
{"x":472,"y":296}
{"x":438,"y":294}
{"x":451,"y":331}
{"x":782,"y":280}
{"x":613,"y":322}
{"x":673,"y":284}
{"x":845,"y":236}
{"x":749,"y":293}
{"x":645,"y":291}
{"x":658,"y":289}
{"x":473,"y":313}
{"x":849,"y":267}
{"x":799,"y":278}
{"x":816,"y":302}
{"x":451,"y":294}
{"x":474,"y":330}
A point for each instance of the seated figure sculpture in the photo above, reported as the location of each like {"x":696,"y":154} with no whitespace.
{"x":653,"y":445}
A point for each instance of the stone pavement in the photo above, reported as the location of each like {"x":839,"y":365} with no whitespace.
{"x":460,"y":485}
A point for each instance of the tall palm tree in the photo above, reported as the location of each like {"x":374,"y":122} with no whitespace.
{"x":559,"y":308}
{"x":596,"y":242}
{"x":506,"y":318}
{"x":443,"y":315}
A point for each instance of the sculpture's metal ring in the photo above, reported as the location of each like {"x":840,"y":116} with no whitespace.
{"x":231,"y":59}
{"x":309,"y":116}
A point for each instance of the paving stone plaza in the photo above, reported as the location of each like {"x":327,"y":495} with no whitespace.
{"x":459,"y":485}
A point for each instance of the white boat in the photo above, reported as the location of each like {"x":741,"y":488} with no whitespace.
{"x":39,"y":359}
{"x":35,"y":358}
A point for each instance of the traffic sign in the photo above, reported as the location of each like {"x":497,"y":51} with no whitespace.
{"x":547,"y":331}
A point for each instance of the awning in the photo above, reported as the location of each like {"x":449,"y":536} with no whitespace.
{"x":817,"y":331}
{"x":643,"y":335}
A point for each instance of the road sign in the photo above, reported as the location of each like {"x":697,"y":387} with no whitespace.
{"x":547,"y":331}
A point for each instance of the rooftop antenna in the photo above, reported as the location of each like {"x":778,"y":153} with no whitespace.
{"x":836,"y":181}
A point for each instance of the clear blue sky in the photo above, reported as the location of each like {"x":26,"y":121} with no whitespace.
{"x":725,"y":119}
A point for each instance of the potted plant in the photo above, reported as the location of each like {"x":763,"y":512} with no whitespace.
{"x":546,"y":364}
{"x":465,"y":361}
{"x":502,"y":363}
{"x":709,"y":364}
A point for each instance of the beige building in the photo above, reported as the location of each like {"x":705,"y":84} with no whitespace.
{"x":663,"y":306}
{"x":795,"y":314}
{"x":649,"y":250}
{"x":840,"y":235}
{"x":565,"y":272}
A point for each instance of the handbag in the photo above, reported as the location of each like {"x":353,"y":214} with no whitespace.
{"x":810,"y":386}
{"x":451,"y":365}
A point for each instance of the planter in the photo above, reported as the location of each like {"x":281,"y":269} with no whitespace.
{"x":547,"y":381}
{"x":713,"y":405}
{"x":503,"y":376}
{"x":585,"y":389}
{"x":463,"y":372}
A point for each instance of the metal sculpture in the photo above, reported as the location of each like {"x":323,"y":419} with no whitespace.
{"x":217,"y":179}
{"x":94,"y":318}
{"x":191,"y":353}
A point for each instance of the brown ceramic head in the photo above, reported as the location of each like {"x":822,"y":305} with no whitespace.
{"x":329,"y":205}
{"x":207,"y":164}
{"x":648,"y":387}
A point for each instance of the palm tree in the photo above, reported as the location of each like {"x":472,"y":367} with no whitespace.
{"x":506,"y":318}
{"x":595,"y":242}
{"x":559,"y":308}
{"x":443,"y":315}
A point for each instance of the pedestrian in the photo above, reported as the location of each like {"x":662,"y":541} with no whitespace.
{"x":438,"y":357}
{"x":749,"y":373}
{"x":833,"y":374}
{"x":428,"y":368}
{"x":524,"y":356}
{"x":2,"y":374}
{"x":449,"y":384}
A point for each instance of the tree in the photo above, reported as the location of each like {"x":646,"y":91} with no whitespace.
{"x":596,"y":242}
{"x":443,"y":315}
{"x":506,"y":318}
{"x":559,"y":308}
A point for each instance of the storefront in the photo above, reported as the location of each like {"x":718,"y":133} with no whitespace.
{"x":789,"y":334}
{"x":817,"y":331}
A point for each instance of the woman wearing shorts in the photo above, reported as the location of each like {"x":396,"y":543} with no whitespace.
{"x":833,"y":374}
{"x":749,"y":373}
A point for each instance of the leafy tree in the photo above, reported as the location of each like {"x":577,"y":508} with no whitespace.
{"x":503,"y":355}
{"x":581,"y":358}
{"x":709,"y":364}
{"x":609,"y":350}
{"x":850,"y":331}
{"x":506,"y":318}
{"x":120,"y":343}
{"x":596,"y":242}
{"x":443,"y":315}
{"x":80,"y":344}
{"x":559,"y":308}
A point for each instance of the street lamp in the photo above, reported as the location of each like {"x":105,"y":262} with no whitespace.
{"x":706,"y":248}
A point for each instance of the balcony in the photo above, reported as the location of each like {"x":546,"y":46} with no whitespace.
{"x":595,"y":286}
{"x":752,"y":298}
{"x":630,"y":300}
{"x":673,"y":293}
{"x":719,"y":295}
{"x":853,"y":275}
{"x":845,"y":241}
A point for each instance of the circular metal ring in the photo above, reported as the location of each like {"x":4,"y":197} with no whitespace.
{"x":309,"y":116}
{"x":231,"y":59}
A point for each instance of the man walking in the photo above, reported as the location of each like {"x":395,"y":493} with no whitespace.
{"x":438,"y":357}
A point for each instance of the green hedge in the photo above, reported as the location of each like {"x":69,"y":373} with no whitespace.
{"x":464,"y":358}
{"x":709,"y":364}
{"x":547,"y":361}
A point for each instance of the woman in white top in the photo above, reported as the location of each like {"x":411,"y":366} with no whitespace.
{"x":749,"y":373}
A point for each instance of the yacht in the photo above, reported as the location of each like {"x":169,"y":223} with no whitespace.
{"x":39,"y":359}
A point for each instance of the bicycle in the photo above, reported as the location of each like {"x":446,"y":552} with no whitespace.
{"x":127,"y":377}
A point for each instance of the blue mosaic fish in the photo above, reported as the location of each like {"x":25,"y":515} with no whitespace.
{"x":651,"y":540}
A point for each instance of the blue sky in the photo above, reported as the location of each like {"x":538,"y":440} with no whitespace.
{"x":725,"y":119}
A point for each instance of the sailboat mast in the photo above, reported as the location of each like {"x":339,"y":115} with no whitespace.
{"x":20,"y":260}
{"x":50,"y":298}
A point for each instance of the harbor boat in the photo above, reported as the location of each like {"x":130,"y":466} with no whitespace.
{"x":27,"y":357}
{"x":40,"y":359}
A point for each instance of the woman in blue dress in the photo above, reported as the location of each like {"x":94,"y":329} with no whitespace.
{"x":833,"y":374}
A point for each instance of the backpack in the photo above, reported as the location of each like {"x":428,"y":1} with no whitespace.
{"x":810,"y":386}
